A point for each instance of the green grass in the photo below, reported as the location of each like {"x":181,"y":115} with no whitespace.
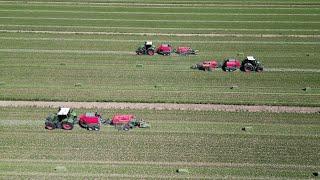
{"x":72,"y":59}
{"x":207,"y":143}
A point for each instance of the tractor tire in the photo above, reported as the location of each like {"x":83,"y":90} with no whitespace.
{"x":248,"y":67}
{"x":232,"y":69}
{"x":150,"y":52}
{"x":259,"y":69}
{"x":67,"y":126}
{"x":224,"y":68}
{"x":50,"y":125}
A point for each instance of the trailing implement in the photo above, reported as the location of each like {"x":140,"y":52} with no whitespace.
{"x":127,"y":122}
{"x":186,"y":51}
{"x":206,"y":65}
{"x":90,"y":121}
{"x":165,"y":49}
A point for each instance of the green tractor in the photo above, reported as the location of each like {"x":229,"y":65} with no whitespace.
{"x":146,"y":49}
{"x":65,"y":118}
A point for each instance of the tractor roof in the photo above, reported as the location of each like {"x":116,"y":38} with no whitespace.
{"x":251,"y":58}
{"x":63,"y":111}
{"x":148,"y":43}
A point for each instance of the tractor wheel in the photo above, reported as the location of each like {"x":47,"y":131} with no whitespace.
{"x":50,"y":125}
{"x":96,"y":128}
{"x":150,"y":52}
{"x":224,"y":68}
{"x":67,"y":126}
{"x":259,"y":69}
{"x":248,"y":67}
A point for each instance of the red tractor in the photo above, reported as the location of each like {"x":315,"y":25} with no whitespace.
{"x":164,"y":49}
{"x":90,"y":121}
{"x":186,"y":51}
{"x":230,"y":64}
{"x":206,"y":65}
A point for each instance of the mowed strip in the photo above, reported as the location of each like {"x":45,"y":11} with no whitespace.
{"x":151,"y":28}
{"x":164,"y":4}
{"x":161,"y":163}
{"x":152,"y":13}
{"x":164,"y":20}
{"x":163,"y":34}
{"x":172,"y":41}
{"x":161,"y":106}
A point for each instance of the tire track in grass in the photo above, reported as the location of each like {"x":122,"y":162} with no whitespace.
{"x":159,"y":20}
{"x":67,"y":51}
{"x":161,"y":28}
{"x":161,"y":163}
{"x":162,"y":34}
{"x":162,"y":106}
{"x":54,"y":51}
{"x":139,"y":41}
{"x":154,"y":13}
{"x":166,"y":5}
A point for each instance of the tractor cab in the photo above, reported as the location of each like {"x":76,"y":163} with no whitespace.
{"x":148,"y":44}
{"x":63,"y":113}
{"x":250,"y":63}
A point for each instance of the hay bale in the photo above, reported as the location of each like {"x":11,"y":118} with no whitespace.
{"x":247,"y":128}
{"x":307,"y":89}
{"x":139,"y":65}
{"x":60,"y":168}
{"x":2,"y":83}
{"x":182,"y":171}
{"x":78,"y":85}
{"x":234,"y":87}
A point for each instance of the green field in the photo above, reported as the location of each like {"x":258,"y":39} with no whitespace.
{"x":209,"y":144}
{"x":84,"y":51}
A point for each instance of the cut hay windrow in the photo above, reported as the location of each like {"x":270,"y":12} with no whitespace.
{"x":161,"y":20}
{"x":158,"y":28}
{"x":173,"y":41}
{"x":154,"y":13}
{"x":164,"y":34}
{"x":182,"y":4}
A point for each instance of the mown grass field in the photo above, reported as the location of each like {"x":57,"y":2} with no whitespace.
{"x":84,"y":51}
{"x":209,"y":144}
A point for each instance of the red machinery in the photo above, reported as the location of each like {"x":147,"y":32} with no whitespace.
{"x":164,"y":49}
{"x":90,"y":121}
{"x":122,"y":119}
{"x":206,"y":65}
{"x":231,"y":64}
{"x":186,"y":51}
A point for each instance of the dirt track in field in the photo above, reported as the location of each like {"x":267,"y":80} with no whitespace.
{"x":162,"y":106}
